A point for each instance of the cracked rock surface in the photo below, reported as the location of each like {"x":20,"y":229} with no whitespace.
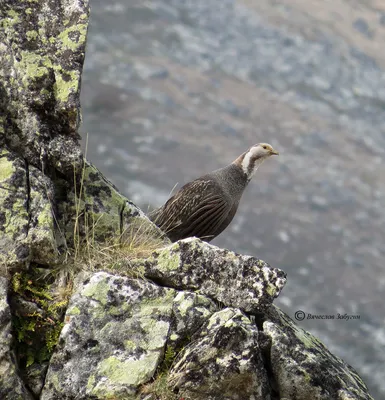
{"x":42,"y":53}
{"x":115,"y":333}
{"x":223,"y":361}
{"x":119,"y":333}
{"x":11,"y":385}
{"x":304,"y":368}
{"x":44,"y":178}
{"x":232,"y":279}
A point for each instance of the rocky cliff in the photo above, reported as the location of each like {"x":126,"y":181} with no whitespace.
{"x":94,"y":302}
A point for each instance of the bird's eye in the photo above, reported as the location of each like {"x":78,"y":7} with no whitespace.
{"x":264,"y":147}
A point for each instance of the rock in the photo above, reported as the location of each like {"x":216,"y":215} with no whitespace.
{"x":11,"y":385}
{"x":108,"y":213}
{"x":113,"y":340}
{"x":35,"y":377}
{"x":303,"y":368}
{"x":222,"y":362}
{"x":190,"y":312}
{"x":42,"y":229}
{"x":36,"y":222}
{"x":26,"y":216}
{"x":41,"y":59}
{"x":232,"y":279}
{"x":13,"y":211}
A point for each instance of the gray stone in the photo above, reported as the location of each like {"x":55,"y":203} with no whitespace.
{"x":11,"y":385}
{"x":45,"y":183}
{"x":113,"y":339}
{"x":35,"y":377}
{"x":222,"y":362}
{"x":304,"y":369}
{"x":41,"y":59}
{"x":232,"y":279}
{"x":190,"y":312}
{"x":13,"y":210}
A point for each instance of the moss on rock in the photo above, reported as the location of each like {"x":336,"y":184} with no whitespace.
{"x":37,"y":318}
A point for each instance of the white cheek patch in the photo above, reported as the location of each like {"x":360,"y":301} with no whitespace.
{"x":249,"y":169}
{"x":246,"y":162}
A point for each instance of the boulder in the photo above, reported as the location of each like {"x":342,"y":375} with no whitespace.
{"x":223,"y":361}
{"x":114,"y":338}
{"x":220,"y":274}
{"x":303,"y":368}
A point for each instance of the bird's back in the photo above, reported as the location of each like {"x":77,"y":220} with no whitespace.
{"x":203,"y":207}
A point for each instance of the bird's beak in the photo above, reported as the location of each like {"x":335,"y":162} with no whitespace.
{"x":274,"y":153}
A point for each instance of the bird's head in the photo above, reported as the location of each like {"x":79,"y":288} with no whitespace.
{"x":254,"y":157}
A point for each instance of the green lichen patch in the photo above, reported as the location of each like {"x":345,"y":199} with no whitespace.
{"x":128,"y":372}
{"x":98,"y":291}
{"x":32,"y":35}
{"x":32,"y":66}
{"x":38,"y":325}
{"x":73,"y":37}
{"x":66,"y":83}
{"x":11,"y":19}
{"x":7,"y":168}
{"x":168,"y":259}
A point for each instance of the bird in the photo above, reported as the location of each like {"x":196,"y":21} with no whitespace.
{"x":205,"y":206}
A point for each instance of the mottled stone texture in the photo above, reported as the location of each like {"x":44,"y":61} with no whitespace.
{"x":190,"y":311}
{"x":117,"y":330}
{"x":304,"y":369}
{"x":11,"y":386}
{"x":42,"y":46}
{"x":232,"y":279}
{"x":115,"y":334}
{"x":47,"y":188}
{"x":223,"y":361}
{"x":44,"y":180}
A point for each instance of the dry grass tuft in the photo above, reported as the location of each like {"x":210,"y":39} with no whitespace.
{"x":89,"y":252}
{"x":159,"y":388}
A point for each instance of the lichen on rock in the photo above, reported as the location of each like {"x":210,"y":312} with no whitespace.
{"x":113,"y":340}
{"x":11,"y":385}
{"x":14,"y":219}
{"x":222,"y":361}
{"x":232,"y":279}
{"x":41,"y":59}
{"x":303,"y":367}
{"x":190,"y":312}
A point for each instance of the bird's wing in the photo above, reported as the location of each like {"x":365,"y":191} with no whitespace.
{"x":197,"y":209}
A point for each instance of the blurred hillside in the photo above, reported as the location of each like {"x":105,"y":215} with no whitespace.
{"x":173,"y":89}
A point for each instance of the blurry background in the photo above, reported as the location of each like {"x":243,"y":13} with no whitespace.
{"x":173,"y":89}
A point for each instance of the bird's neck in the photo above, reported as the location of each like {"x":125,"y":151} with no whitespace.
{"x":248,"y":165}
{"x":234,"y":178}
